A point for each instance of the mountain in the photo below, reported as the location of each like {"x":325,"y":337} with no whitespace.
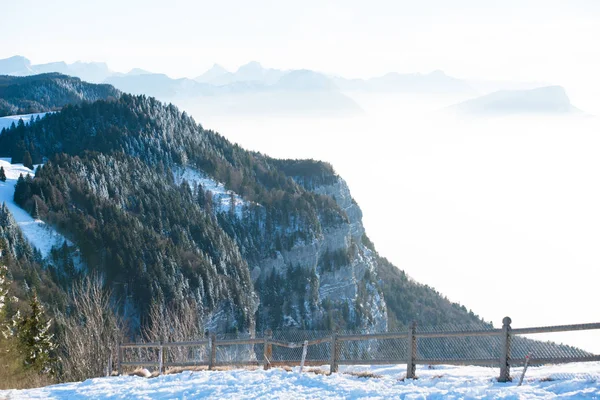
{"x":47,"y":92}
{"x":254,"y":72}
{"x":305,"y":80}
{"x":167,"y":211}
{"x":16,"y":65}
{"x":159,"y":85}
{"x":252,"y":89}
{"x":60,"y":67}
{"x":95,"y":72}
{"x":546,"y":100}
{"x":138,"y":71}
{"x":434,"y":82}
{"x":300,"y":92}
{"x":215,"y":75}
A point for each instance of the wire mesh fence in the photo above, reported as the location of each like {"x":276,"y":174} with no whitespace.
{"x":476,"y":344}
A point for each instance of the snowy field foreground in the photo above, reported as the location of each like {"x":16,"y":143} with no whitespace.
{"x":572,"y":381}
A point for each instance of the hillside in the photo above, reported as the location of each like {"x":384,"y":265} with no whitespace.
{"x":169,"y":211}
{"x":47,"y":92}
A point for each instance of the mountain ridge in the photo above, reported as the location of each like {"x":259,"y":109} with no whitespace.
{"x":296,"y":246}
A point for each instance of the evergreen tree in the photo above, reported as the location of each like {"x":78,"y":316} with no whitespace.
{"x":36,"y":212}
{"x":27,"y":161}
{"x":36,"y":341}
{"x":3,"y":294}
{"x":2,"y":174}
{"x":232,"y":204}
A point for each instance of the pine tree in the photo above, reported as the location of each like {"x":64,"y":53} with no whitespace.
{"x":36,"y":341}
{"x":36,"y":212}
{"x":27,"y":161}
{"x":232,"y":204}
{"x":3,"y":293}
{"x":2,"y":174}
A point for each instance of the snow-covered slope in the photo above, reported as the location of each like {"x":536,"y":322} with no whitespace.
{"x":37,"y":233}
{"x":574,"y":381}
{"x":221,"y":196}
{"x":6,"y":122}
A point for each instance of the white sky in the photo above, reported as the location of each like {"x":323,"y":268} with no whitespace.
{"x":545,"y":40}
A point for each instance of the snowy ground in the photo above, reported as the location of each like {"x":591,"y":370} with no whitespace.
{"x":6,"y":122}
{"x":221,"y":196}
{"x":574,"y":381}
{"x":37,"y":233}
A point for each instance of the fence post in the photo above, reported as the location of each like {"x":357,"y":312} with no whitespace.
{"x":109,"y":365}
{"x":267,"y":350}
{"x":212,"y":343}
{"x":334,"y":354}
{"x":505,"y":351}
{"x":119,"y":358}
{"x":304,"y":350}
{"x":411,"y":367}
{"x":160,"y":358}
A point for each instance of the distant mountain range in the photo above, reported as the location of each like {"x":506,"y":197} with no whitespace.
{"x":251,"y":89}
{"x":543,"y":100}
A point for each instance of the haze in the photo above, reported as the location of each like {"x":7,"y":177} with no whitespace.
{"x":498,"y":214}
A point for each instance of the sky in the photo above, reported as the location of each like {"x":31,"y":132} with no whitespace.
{"x":470,"y":199}
{"x":545,"y":40}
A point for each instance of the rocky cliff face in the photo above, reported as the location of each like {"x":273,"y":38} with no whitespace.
{"x":344,"y":269}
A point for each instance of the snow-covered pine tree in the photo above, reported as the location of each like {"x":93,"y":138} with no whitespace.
{"x":3,"y":293}
{"x":37,"y":343}
{"x":27,"y":161}
{"x":36,"y":212}
{"x":2,"y":174}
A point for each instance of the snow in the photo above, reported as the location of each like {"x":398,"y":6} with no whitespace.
{"x":221,"y":196}
{"x":574,"y":381}
{"x":37,"y":233}
{"x":6,"y":122}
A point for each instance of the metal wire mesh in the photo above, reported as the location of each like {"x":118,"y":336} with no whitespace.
{"x":522,"y":346}
{"x":142,"y":356}
{"x":456,"y":344}
{"x":374,"y":350}
{"x":464,"y":347}
{"x":189,"y":355}
{"x":316,"y":352}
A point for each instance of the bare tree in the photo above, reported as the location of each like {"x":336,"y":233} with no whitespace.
{"x":176,"y":322}
{"x":90,"y":332}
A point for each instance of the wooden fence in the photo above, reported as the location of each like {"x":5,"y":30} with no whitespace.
{"x":506,"y":336}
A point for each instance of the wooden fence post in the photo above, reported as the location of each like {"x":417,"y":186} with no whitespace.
{"x":109,"y":365}
{"x":304,"y":350}
{"x":212,"y":343}
{"x":160,"y":358}
{"x":119,"y":358}
{"x":334,"y":354}
{"x":267,"y":350}
{"x":505,"y":351}
{"x":411,"y":367}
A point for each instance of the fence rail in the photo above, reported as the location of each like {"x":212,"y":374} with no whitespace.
{"x":486,"y":347}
